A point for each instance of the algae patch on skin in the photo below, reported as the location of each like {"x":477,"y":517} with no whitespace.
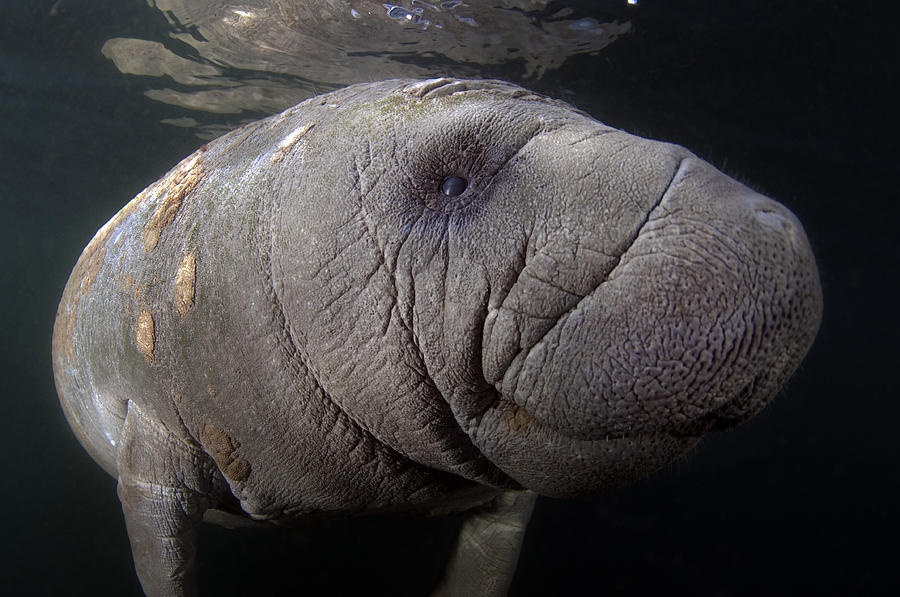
{"x":144,"y":335}
{"x":222,"y":448}
{"x":185,"y":279}
{"x":178,"y":185}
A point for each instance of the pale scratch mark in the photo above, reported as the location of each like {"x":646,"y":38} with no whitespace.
{"x":288,"y":143}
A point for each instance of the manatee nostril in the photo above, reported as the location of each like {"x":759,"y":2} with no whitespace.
{"x":454,"y":186}
{"x":774,"y":219}
{"x":773,"y":215}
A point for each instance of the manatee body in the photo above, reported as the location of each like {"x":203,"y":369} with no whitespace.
{"x":421,"y":296}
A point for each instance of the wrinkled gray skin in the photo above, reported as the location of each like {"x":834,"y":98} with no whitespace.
{"x":297,"y":321}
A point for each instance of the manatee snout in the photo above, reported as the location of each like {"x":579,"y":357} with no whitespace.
{"x":708,"y":311}
{"x":732,"y":303}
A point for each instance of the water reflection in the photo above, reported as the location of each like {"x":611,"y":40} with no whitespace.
{"x":227,"y":57}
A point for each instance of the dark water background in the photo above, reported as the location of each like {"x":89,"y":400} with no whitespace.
{"x":799,"y":99}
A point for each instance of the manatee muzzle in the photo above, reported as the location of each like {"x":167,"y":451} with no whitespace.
{"x":703,"y":318}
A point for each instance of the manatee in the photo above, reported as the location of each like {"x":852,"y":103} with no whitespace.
{"x":421,"y":296}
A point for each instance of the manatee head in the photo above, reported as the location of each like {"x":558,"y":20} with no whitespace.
{"x":493,"y":283}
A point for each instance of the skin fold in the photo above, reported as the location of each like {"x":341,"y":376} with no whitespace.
{"x":421,"y":296}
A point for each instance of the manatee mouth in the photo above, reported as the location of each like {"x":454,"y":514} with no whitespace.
{"x":708,"y":423}
{"x":731,"y":412}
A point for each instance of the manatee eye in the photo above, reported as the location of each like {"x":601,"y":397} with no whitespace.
{"x":453,"y":186}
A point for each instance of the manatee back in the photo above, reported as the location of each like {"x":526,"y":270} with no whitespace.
{"x":129,"y":290}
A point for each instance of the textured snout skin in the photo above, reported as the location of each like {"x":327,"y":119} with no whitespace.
{"x":421,"y":296}
{"x":703,"y":318}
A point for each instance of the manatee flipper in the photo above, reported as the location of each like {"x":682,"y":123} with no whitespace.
{"x":487,"y":549}
{"x":165,"y":486}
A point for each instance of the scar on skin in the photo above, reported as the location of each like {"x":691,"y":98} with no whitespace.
{"x":185,"y":278}
{"x":289,"y":142}
{"x":178,"y":184}
{"x":518,"y":420}
{"x":222,"y":448}
{"x":144,"y":335}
